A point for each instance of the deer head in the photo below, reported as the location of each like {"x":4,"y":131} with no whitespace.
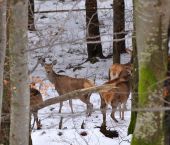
{"x":48,"y":66}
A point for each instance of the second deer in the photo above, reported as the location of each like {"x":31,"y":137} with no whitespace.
{"x":64,"y":84}
{"x":117,"y":96}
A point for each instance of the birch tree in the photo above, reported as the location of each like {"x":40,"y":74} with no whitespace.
{"x":19,"y":127}
{"x":2,"y":48}
{"x":152,"y":18}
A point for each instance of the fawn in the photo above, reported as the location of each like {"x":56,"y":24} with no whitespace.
{"x":64,"y":84}
{"x":117,"y":96}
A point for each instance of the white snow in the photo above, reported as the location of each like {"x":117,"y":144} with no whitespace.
{"x":62,"y":36}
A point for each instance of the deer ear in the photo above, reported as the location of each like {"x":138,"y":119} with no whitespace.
{"x":54,"y":62}
{"x":41,"y":61}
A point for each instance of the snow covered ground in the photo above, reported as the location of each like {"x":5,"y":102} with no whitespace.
{"x":62,"y":36}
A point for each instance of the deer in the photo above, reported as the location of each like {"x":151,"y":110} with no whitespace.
{"x":116,"y":68}
{"x":116,"y":97}
{"x":35,"y":99}
{"x":64,"y":84}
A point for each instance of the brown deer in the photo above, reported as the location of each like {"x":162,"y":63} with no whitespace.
{"x":35,"y":99}
{"x":116,"y":96}
{"x":116,"y":68}
{"x":64,"y":84}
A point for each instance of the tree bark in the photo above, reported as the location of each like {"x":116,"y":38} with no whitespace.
{"x":5,"y":125}
{"x":118,"y":29}
{"x":20,"y":100}
{"x":92,"y":30}
{"x":152,"y":20}
{"x":2,"y":49}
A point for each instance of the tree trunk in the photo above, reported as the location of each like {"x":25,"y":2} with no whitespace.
{"x":134,"y":90}
{"x":118,"y":29}
{"x":20,"y":99}
{"x":151,"y":37}
{"x":135,"y":79}
{"x":93,"y":32}
{"x":2,"y":48}
{"x":31,"y":25}
{"x":5,"y":125}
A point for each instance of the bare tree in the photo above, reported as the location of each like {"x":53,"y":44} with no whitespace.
{"x":118,"y":29}
{"x":152,"y":19}
{"x":2,"y":48}
{"x":20,"y":100}
{"x":93,"y":33}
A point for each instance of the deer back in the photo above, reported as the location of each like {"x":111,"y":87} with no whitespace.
{"x":65,"y":84}
{"x":121,"y":92}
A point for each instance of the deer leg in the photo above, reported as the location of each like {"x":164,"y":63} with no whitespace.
{"x":103,"y":108}
{"x":86,"y":100}
{"x":61,"y":105}
{"x":38,"y":122}
{"x":71,"y":105}
{"x":123,"y":110}
{"x":114,"y":104}
{"x":120,"y":110}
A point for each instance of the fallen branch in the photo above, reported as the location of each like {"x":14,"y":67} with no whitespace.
{"x":72,"y":95}
{"x":65,"y":97}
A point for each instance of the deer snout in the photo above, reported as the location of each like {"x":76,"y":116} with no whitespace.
{"x":48,"y":71}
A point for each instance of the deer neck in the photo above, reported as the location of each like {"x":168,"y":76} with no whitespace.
{"x":52,"y":76}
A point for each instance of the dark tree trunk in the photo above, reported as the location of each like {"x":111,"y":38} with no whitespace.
{"x":134,"y":61}
{"x":93,"y":32}
{"x":135,"y":79}
{"x":31,"y":25}
{"x":118,"y":29}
